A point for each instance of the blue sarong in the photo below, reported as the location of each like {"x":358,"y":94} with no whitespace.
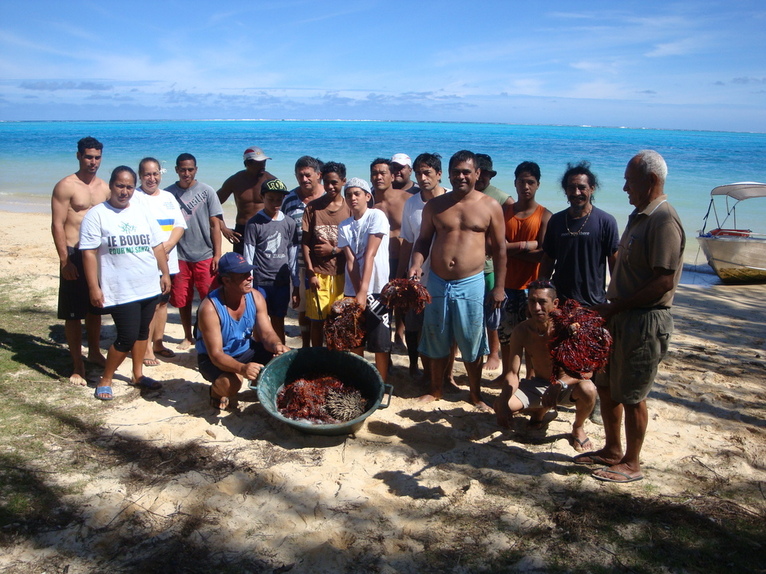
{"x":456,"y":313}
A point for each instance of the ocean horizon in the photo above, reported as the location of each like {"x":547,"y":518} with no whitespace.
{"x":34,"y":155}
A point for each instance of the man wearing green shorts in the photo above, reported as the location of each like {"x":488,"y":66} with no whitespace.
{"x":640,"y":294}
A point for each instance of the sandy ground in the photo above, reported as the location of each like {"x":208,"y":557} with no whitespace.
{"x":414,"y":475}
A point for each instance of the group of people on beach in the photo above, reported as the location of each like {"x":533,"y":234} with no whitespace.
{"x":495,"y":267}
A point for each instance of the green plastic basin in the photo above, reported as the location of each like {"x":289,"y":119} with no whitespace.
{"x":351,"y":369}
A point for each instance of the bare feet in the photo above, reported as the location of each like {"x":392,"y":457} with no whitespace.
{"x":78,"y":379}
{"x":184,"y":345}
{"x":151,"y":362}
{"x":482,"y":406}
{"x":428,"y":398}
{"x":493,"y":363}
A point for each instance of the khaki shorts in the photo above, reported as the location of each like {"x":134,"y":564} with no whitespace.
{"x":640,"y":342}
{"x":330,"y":290}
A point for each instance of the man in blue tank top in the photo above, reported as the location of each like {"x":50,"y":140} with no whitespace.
{"x":235,"y":338}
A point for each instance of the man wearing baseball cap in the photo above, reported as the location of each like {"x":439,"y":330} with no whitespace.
{"x":235,"y":338}
{"x":401,"y":169}
{"x":245,"y":185}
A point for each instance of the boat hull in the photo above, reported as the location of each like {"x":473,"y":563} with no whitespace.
{"x":735,"y":259}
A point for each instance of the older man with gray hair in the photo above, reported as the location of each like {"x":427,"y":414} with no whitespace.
{"x":646,"y":274}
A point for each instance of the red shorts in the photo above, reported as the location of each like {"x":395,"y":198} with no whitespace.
{"x":191,"y":275}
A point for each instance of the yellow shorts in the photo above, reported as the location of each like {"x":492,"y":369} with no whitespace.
{"x":318,"y":302}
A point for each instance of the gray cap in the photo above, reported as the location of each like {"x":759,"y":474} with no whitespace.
{"x":357,"y":182}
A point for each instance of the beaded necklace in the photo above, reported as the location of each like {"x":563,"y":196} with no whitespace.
{"x":584,"y":223}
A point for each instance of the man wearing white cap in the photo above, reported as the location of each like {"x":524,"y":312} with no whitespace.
{"x":401,"y":169}
{"x":245,"y":185}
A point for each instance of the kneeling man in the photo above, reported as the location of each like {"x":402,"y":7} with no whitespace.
{"x":235,"y":337}
{"x":536,"y":392}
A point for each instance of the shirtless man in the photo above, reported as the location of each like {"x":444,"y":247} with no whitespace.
{"x":391,"y":202}
{"x":245,"y":185}
{"x":537,"y":393}
{"x":72,"y":197}
{"x":459,"y":225}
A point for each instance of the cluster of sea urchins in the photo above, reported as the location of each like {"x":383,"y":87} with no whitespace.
{"x":344,"y":328}
{"x":321,"y":399}
{"x":405,"y":295}
{"x":579,"y":343}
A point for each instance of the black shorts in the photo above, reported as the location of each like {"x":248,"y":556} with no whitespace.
{"x":239,"y":247}
{"x":255,"y":354}
{"x":132,"y":321}
{"x":377,"y":325}
{"x":74,"y":299}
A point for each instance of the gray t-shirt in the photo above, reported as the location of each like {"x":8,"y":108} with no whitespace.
{"x":198,"y":204}
{"x":271,"y":245}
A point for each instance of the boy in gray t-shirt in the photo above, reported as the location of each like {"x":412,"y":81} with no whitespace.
{"x":271,"y":244}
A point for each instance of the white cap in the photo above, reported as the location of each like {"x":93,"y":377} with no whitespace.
{"x":255,"y":153}
{"x":402,"y":159}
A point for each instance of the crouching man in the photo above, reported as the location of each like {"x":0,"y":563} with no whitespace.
{"x":235,"y":338}
{"x":536,"y":393}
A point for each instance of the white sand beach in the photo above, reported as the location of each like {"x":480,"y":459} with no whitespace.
{"x":415,"y":477}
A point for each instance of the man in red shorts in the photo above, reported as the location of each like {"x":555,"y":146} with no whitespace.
{"x":200,"y":247}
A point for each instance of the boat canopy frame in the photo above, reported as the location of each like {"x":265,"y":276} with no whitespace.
{"x":738,"y":192}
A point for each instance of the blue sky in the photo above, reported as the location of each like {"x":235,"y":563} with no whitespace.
{"x":687,"y":65}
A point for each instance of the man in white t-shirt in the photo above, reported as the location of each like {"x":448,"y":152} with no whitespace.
{"x":363,"y":237}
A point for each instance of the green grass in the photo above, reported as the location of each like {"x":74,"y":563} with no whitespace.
{"x":40,"y":412}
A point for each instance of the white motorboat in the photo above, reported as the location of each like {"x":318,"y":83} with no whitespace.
{"x":736,"y":255}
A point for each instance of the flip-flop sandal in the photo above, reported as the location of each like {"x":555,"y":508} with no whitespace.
{"x":222,"y":403}
{"x":579,"y":445}
{"x":146,"y":383}
{"x":167,"y":353}
{"x":105,"y":390}
{"x":588,"y":458}
{"x":627,"y":477}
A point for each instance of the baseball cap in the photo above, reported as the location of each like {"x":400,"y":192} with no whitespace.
{"x":402,"y":159}
{"x":233,"y":263}
{"x":255,"y":153}
{"x":358,"y":182}
{"x":274,"y":185}
{"x":485,"y":164}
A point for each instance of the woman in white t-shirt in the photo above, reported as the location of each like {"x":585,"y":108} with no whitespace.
{"x":163,"y":206}
{"x":122,"y":249}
